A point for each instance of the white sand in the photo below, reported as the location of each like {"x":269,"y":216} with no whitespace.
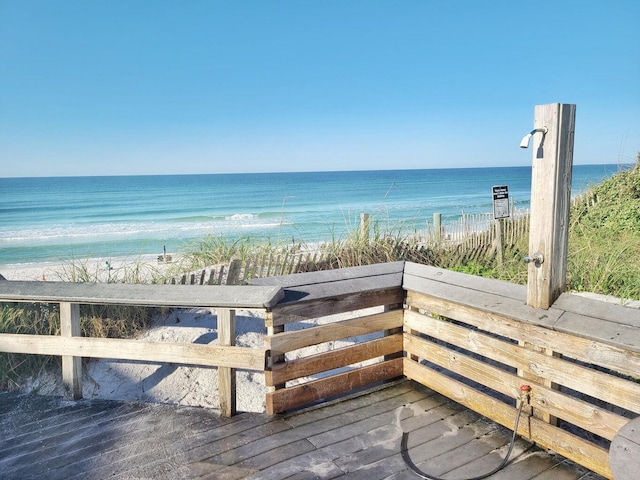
{"x":170,"y":383}
{"x":102,"y":269}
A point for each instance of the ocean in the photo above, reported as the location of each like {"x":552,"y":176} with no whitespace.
{"x":75,"y":218}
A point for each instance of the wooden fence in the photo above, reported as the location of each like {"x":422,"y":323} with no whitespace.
{"x":72,"y":347}
{"x":471,"y":237}
{"x":333,"y":332}
{"x":356,"y":352}
{"x":473,"y":340}
{"x":239,"y":272}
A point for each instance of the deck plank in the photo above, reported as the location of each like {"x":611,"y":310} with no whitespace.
{"x":357,"y":438}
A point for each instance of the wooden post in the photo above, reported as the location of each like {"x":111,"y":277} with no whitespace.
{"x":550,"y":202}
{"x":499,"y":229}
{"x":233,"y":274}
{"x":273,"y":360}
{"x":71,"y":366}
{"x":226,"y":375}
{"x":437,"y":226}
{"x":364,"y":227}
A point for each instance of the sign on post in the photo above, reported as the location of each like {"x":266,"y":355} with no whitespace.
{"x":500,"y":201}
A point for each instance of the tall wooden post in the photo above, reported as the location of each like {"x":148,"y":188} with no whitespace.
{"x":71,"y":366}
{"x":550,"y":202}
{"x":226,"y":375}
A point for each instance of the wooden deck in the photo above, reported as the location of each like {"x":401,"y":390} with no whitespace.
{"x":359,"y":437}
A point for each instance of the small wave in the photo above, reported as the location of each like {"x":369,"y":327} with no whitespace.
{"x":194,"y":218}
{"x":241,"y":216}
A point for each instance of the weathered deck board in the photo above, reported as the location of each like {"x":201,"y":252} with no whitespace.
{"x":45,"y":437}
{"x":141,"y":294}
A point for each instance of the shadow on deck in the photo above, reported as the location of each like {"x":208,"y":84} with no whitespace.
{"x":49,"y":438}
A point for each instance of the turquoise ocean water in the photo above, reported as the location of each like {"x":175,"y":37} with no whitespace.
{"x":66,"y":218}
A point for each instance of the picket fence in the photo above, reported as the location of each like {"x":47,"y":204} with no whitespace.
{"x":470,"y":238}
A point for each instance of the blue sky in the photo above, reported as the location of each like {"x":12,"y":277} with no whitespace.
{"x":164,"y":87}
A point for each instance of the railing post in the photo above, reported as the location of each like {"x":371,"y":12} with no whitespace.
{"x":437,"y":226}
{"x":364,"y":227}
{"x":554,"y":126}
{"x":226,"y":375}
{"x":233,"y":275}
{"x":272,"y":360}
{"x":71,"y":366}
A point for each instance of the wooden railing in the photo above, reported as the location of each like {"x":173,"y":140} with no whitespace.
{"x":329,"y":333}
{"x":72,"y":347}
{"x":356,"y":352}
{"x":475,"y":341}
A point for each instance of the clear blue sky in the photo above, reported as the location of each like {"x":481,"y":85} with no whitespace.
{"x":154,"y":87}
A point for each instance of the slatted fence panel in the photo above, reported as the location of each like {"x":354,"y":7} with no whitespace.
{"x":478,"y":347}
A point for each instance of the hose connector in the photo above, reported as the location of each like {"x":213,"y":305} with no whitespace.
{"x":525,"y":392}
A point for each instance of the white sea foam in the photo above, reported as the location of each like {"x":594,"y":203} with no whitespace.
{"x":241,"y":216}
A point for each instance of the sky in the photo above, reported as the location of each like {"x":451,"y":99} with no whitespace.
{"x":179,"y":87}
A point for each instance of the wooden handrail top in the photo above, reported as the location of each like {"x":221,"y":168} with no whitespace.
{"x":258,"y":297}
{"x":333,"y":284}
{"x":571,"y":313}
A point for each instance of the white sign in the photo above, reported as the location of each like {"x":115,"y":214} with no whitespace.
{"x":500,"y":201}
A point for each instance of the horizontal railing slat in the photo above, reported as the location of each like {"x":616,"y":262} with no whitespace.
{"x":611,"y":389}
{"x":414,"y":274}
{"x":609,"y":356}
{"x":332,"y":386}
{"x":334,"y":359}
{"x":124,"y":349}
{"x":309,"y":279}
{"x":295,"y":339}
{"x":598,"y":309}
{"x":578,"y":412}
{"x":141,"y":294}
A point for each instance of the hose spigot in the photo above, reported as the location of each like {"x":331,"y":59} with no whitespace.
{"x":536,"y":258}
{"x":525,"y":392}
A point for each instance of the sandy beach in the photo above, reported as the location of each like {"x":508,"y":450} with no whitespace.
{"x":170,"y":383}
{"x":101,"y":269}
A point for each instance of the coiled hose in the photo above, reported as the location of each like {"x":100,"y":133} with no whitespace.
{"x":404,"y":451}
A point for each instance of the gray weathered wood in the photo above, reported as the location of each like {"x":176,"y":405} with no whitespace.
{"x":71,"y":366}
{"x":226,"y":375}
{"x":326,"y":276}
{"x":625,"y":451}
{"x":140,"y":294}
{"x":485,"y":302}
{"x":127,"y":349}
{"x":318,"y":294}
{"x":550,"y":202}
{"x":43,"y":437}
{"x":413,"y":272}
{"x":626,"y":337}
{"x":611,"y":312}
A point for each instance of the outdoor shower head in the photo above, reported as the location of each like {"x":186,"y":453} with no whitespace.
{"x":525,"y":140}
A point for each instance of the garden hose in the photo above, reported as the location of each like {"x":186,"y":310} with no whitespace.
{"x":525,"y":391}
